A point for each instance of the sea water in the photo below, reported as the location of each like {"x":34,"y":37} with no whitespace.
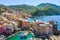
{"x":47,"y":19}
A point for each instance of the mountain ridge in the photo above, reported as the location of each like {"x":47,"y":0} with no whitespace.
{"x":39,"y":10}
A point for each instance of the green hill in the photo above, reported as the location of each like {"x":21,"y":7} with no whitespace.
{"x":48,"y":9}
{"x":3,"y":8}
{"x":24,"y":8}
{"x":39,"y":10}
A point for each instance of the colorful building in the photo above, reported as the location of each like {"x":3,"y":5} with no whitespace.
{"x":54,"y":27}
{"x":42,"y":28}
{"x":24,"y":24}
{"x":1,"y":28}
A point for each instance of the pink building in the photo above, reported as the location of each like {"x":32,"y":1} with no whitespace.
{"x":1,"y":28}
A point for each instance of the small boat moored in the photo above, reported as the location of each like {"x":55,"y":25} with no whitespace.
{"x":30,"y":39}
{"x":23,"y":34}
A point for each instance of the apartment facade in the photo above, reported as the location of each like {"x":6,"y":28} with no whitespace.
{"x":24,"y":24}
{"x":44,"y":28}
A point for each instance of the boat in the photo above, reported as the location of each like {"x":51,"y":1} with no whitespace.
{"x":30,"y":39}
{"x":2,"y":37}
{"x":23,"y":34}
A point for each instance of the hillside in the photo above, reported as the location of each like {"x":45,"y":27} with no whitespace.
{"x":3,"y":8}
{"x":39,"y":10}
{"x":48,"y":9}
{"x":24,"y":8}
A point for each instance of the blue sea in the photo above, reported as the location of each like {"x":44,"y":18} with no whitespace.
{"x":47,"y":19}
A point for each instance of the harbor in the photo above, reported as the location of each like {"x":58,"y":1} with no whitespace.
{"x":29,"y":36}
{"x":18,"y":37}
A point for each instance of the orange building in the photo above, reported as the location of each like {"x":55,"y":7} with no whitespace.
{"x":43,"y":28}
{"x":24,"y":23}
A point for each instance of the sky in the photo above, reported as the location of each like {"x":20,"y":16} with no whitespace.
{"x":28,"y":2}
